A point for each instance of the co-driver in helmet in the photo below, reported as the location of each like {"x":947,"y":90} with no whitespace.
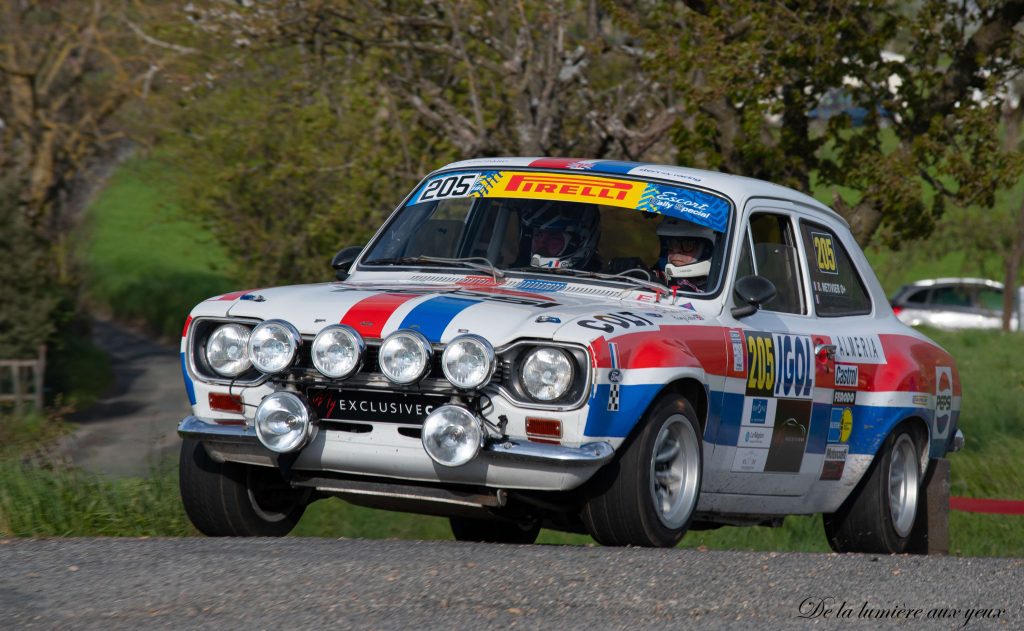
{"x":686,"y":250}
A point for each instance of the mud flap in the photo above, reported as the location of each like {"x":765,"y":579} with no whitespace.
{"x":931,"y":528}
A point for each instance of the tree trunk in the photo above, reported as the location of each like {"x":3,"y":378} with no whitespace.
{"x":1012,"y":270}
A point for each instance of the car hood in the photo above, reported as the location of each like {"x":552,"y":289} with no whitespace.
{"x":500,"y":312}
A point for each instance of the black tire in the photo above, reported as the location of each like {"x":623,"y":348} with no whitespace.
{"x":623,"y":506}
{"x":865,"y":522}
{"x":488,"y":531}
{"x":236,"y":500}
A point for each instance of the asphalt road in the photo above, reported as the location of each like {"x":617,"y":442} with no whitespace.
{"x":344,"y":584}
{"x":134,"y":425}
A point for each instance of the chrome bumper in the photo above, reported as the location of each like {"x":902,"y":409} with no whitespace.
{"x":590,"y":454}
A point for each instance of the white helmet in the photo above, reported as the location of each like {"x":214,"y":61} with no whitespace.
{"x":673,"y":228}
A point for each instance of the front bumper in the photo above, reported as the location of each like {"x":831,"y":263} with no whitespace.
{"x":511,"y":464}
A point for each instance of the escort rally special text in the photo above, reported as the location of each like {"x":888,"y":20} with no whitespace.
{"x":626,"y":350}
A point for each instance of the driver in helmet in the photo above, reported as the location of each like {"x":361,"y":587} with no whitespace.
{"x":563,"y":235}
{"x":686,"y":250}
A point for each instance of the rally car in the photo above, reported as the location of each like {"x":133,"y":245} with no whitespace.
{"x":621,"y":349}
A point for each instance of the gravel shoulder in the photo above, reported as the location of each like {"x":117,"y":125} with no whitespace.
{"x":134,"y":426}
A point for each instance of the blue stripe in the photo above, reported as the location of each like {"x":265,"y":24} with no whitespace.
{"x":432,"y":317}
{"x":633,"y":402}
{"x":616,"y":166}
{"x":189,"y":386}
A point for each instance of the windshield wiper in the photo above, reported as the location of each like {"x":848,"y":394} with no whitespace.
{"x":478,"y":263}
{"x":655,"y":287}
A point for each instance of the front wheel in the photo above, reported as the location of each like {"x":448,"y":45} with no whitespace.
{"x":647,"y":496}
{"x":879,"y":515}
{"x":230,"y":499}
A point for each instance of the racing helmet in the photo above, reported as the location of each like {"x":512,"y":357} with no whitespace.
{"x":672,"y":228}
{"x":579,"y":227}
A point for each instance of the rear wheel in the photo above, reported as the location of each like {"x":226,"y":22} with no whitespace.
{"x":236,"y":500}
{"x":879,"y":515}
{"x":647,"y":496}
{"x":487,"y":531}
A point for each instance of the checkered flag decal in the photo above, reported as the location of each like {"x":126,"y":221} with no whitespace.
{"x":613,"y":398}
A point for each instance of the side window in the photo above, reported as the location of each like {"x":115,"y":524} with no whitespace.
{"x":919,"y":297}
{"x":745,"y":267}
{"x":990,"y":299}
{"x":835,"y":284}
{"x":776,"y":258}
{"x":951,"y":296}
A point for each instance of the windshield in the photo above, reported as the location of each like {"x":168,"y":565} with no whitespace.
{"x":554,"y":223}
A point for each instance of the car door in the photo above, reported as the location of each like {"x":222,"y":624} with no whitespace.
{"x":774,"y":417}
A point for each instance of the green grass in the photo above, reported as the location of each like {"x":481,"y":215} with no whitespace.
{"x":147,"y":261}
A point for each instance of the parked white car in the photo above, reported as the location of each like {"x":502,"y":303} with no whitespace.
{"x":628,"y":350}
{"x":952,"y":304}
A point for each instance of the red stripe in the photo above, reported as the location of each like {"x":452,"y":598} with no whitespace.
{"x":184,"y":330}
{"x":555,"y":163}
{"x":990,"y":507}
{"x":368,"y":316}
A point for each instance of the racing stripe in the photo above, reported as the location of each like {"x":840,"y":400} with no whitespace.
{"x":580,"y":164}
{"x":369,"y":315}
{"x":190,"y":388}
{"x":432,"y":317}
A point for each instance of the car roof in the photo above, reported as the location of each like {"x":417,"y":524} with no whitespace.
{"x":930,"y":282}
{"x":736,"y":187}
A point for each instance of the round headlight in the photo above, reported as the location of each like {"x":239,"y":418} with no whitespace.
{"x":547,"y":373}
{"x":468,"y":362}
{"x":452,"y":435}
{"x":337,"y":351}
{"x":226,"y":350}
{"x":405,"y":357}
{"x":273,"y":345}
{"x":283,"y":423}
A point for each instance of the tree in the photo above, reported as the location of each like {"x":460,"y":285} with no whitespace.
{"x":924,"y":78}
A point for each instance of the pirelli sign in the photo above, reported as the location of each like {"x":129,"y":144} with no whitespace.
{"x":568,"y":187}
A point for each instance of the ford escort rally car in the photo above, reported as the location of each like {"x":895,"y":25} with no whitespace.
{"x":621,"y":349}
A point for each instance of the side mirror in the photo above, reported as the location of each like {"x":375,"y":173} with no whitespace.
{"x":754,"y":291}
{"x":344,"y":259}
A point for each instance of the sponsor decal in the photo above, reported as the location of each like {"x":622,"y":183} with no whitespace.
{"x":920,"y":400}
{"x":835,"y":462}
{"x":779,"y":365}
{"x":548,"y":319}
{"x":750,"y":460}
{"x":825,"y":252}
{"x":846,"y":376}
{"x":755,"y":437}
{"x":792,"y":425}
{"x":570,"y":188}
{"x":609,"y":322}
{"x":357,"y":405}
{"x":943,"y":399}
{"x":738,"y":356}
{"x":844,"y":397}
{"x":578,"y":186}
{"x":758,"y":414}
{"x":859,"y":349}
{"x":688,"y":306}
{"x":696,"y":206}
{"x":846,"y":425}
{"x":840,"y":425}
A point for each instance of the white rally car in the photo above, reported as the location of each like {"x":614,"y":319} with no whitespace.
{"x":628,"y":350}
